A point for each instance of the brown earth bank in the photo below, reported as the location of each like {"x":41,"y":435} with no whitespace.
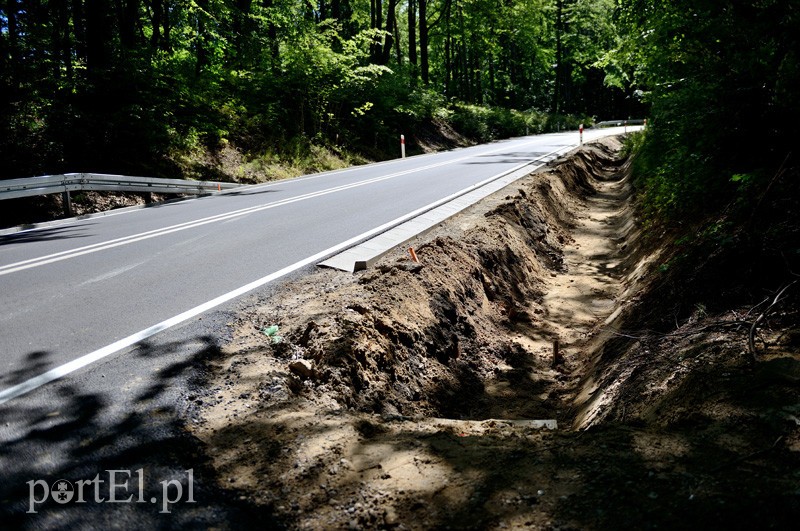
{"x":407,"y":396}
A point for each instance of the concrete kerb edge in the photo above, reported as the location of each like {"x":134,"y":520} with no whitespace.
{"x":360,"y":265}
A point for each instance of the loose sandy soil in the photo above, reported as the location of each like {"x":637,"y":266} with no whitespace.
{"x":405,"y":397}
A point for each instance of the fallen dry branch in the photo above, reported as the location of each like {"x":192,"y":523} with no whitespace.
{"x":751,"y":341}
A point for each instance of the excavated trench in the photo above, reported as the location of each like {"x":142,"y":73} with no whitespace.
{"x":469,"y":332}
{"x":327,"y":420}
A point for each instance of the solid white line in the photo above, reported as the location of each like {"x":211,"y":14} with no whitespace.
{"x":87,"y":359}
{"x":126,"y":240}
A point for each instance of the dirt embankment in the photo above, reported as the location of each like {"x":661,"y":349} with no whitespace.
{"x":403,"y":397}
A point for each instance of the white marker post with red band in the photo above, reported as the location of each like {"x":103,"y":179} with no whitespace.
{"x":403,"y":146}
{"x":580,"y":129}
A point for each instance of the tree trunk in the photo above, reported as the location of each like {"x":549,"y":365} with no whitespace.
{"x":272,"y":37}
{"x":559,"y":55}
{"x":98,"y":38}
{"x":391,"y":22}
{"x":397,"y":47}
{"x":156,"y":16}
{"x":448,"y":51}
{"x":423,"y":41}
{"x":167,"y":41}
{"x":465,"y":90}
{"x":201,"y":53}
{"x":59,"y":12}
{"x":376,"y":22}
{"x":242,"y":30}
{"x":128,"y":16}
{"x":13,"y":34}
{"x":412,"y":38}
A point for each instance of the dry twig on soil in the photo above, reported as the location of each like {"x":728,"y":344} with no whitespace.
{"x":751,"y":340}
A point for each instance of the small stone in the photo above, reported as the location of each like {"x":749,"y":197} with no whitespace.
{"x":390,"y":516}
{"x":302,"y":368}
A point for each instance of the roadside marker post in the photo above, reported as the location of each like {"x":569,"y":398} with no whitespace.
{"x":403,"y":146}
{"x":580,"y":129}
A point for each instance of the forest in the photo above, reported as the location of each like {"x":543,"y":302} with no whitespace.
{"x":151,"y":87}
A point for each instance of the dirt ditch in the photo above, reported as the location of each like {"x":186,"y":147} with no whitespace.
{"x":406,"y":396}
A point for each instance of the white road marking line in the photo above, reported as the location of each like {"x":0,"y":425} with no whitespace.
{"x":126,"y":240}
{"x":111,"y":274}
{"x":87,"y":359}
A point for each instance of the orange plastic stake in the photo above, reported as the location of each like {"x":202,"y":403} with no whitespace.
{"x":413,"y":254}
{"x":219,"y":187}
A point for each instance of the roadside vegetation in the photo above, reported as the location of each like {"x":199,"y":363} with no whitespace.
{"x":717,"y":170}
{"x":239,"y":89}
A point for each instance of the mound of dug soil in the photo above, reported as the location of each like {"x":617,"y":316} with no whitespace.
{"x":413,"y":396}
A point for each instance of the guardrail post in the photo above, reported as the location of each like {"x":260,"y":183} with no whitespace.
{"x":67,"y":200}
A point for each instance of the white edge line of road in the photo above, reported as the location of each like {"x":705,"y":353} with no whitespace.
{"x":87,"y":359}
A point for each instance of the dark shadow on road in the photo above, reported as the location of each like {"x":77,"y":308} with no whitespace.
{"x":250,"y":192}
{"x":508,"y":158}
{"x":67,"y":432}
{"x":45,"y":235}
{"x":35,"y":364}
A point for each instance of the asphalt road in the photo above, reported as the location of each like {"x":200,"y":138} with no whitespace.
{"x":104,"y":322}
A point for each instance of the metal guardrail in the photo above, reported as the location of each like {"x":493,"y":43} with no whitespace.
{"x":619,"y":123}
{"x":75,"y":182}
